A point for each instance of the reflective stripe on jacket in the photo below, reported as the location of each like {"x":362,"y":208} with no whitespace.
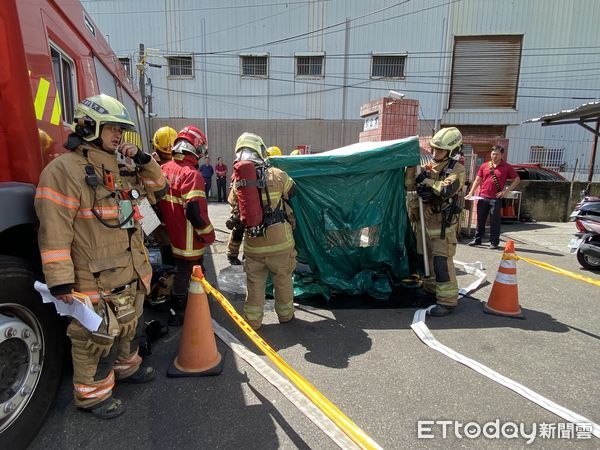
{"x":186,"y":185}
{"x":76,"y":248}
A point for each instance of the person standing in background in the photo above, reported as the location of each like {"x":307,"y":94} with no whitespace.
{"x":221,"y":170}
{"x":492,"y":177}
{"x":207,"y":172}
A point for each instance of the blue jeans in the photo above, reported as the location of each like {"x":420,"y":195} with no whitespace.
{"x":493,"y":208}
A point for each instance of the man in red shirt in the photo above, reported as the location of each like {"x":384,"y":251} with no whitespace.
{"x":492,"y":177}
{"x":221,"y":170}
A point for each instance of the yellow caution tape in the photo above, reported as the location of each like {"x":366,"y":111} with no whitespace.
{"x":560,"y":271}
{"x":358,"y":436}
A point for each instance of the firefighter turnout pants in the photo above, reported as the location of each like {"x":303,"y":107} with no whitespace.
{"x":110,"y":353}
{"x":257,"y":268}
{"x":442,"y":280}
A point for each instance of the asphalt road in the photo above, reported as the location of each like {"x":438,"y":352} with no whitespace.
{"x":367,"y":360}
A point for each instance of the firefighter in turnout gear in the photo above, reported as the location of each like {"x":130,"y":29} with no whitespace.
{"x":91,"y":242}
{"x":185,"y":213}
{"x":237,"y":229}
{"x":268,"y":241}
{"x":440,"y":186}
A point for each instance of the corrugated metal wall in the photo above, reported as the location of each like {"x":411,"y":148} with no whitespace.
{"x":559,"y":67}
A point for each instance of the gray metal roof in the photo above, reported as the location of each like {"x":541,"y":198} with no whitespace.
{"x":588,"y":112}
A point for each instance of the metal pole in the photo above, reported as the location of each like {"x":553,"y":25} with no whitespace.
{"x":593,"y":157}
{"x":438,"y":112}
{"x":345,"y":88}
{"x":423,"y":233}
{"x":204,"y":81}
{"x":142,"y":72}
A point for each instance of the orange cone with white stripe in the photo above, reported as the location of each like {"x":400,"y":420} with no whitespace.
{"x":198,"y":355}
{"x":504,"y":298}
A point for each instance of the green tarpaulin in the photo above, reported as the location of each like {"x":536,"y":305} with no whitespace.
{"x":352,"y":232}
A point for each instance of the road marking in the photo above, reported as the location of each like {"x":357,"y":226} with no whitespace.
{"x":286,"y":388}
{"x":423,"y":332}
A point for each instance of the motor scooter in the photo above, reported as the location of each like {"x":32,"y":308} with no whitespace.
{"x":586,"y":244}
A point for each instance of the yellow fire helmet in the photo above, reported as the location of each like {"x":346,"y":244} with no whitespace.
{"x":163,"y":140}
{"x":449,"y":139}
{"x":274,"y":151}
{"x":93,"y":112}
{"x":250,"y":146}
{"x":295,"y":152}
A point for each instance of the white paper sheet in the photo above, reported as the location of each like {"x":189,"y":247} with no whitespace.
{"x":85,"y":314}
{"x":150,"y":220}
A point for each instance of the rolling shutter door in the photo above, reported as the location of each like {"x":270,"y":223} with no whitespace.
{"x":485,"y":71}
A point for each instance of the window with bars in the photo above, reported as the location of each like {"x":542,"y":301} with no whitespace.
{"x":310,"y":66}
{"x":387,"y":66}
{"x":552,"y":158}
{"x":255,"y":66}
{"x":126,"y":62}
{"x":181,"y":67}
{"x":64,"y":76}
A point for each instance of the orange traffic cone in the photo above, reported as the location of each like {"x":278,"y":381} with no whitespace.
{"x":198,"y":355}
{"x":504,"y":298}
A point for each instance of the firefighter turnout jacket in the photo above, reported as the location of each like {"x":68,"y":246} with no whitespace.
{"x":76,"y":193}
{"x":185,"y":209}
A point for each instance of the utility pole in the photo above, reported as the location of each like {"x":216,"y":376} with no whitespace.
{"x":142,"y":72}
{"x":593,"y":157}
{"x":204,"y":78}
{"x":345,"y":88}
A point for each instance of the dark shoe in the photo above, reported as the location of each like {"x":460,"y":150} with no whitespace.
{"x":141,"y":376}
{"x":440,"y":311}
{"x":107,"y":409}
{"x":175,"y":318}
{"x":494,"y":246}
{"x":234,"y":261}
{"x":474,"y":242}
{"x":287,"y":319}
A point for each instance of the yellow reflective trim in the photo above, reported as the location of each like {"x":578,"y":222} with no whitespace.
{"x":268,"y":249}
{"x":206,"y":229}
{"x":56,"y":110}
{"x":189,"y":236}
{"x":173,"y":199}
{"x":40,"y":98}
{"x":192,"y":194}
{"x":180,"y":252}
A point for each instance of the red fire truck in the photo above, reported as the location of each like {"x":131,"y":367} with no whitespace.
{"x":52,"y":55}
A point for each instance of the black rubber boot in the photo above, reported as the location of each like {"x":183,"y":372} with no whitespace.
{"x":140,"y":376}
{"x":234,"y":261}
{"x":440,"y":311}
{"x":177,"y":311}
{"x":107,"y":409}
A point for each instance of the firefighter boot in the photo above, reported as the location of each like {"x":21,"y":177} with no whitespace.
{"x":234,"y":260}
{"x":177,"y":310}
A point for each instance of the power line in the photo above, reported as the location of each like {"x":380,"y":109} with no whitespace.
{"x":404,"y":89}
{"x":321,"y":82}
{"x":213,"y":8}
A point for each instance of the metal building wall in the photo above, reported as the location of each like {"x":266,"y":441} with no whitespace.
{"x":559,"y":62}
{"x":551,"y":79}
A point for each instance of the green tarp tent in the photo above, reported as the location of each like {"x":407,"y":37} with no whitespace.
{"x":352,"y":232}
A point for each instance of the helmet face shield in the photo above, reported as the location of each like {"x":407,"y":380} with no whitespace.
{"x":248,"y":154}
